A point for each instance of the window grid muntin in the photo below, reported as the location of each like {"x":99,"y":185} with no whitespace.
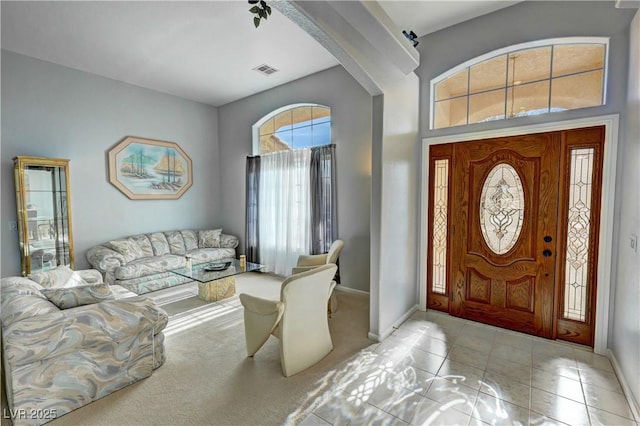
{"x":587,"y":41}
{"x":440,"y":224}
{"x":578,"y":237}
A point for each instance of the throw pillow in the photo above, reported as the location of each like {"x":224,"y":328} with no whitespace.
{"x":144,"y":244}
{"x":159,"y":243}
{"x":60,"y":277}
{"x":176,"y":242}
{"x":65,"y":298}
{"x":190,"y":239}
{"x":127,"y":247}
{"x":209,"y":238}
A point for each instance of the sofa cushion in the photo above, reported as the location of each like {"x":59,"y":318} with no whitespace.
{"x":148,"y":266}
{"x":211,"y":254}
{"x":176,"y":242}
{"x":144,"y":244}
{"x":65,"y":298}
{"x":190,"y":239}
{"x":159,"y":243}
{"x":127,"y":247}
{"x":209,"y":238}
{"x":60,"y":277}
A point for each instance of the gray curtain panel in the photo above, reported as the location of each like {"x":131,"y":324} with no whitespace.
{"x":252,"y":236}
{"x":324,"y":215}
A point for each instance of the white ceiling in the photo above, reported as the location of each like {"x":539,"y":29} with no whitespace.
{"x":204,"y":51}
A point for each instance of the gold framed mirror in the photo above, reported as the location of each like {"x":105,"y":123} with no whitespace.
{"x":44,"y":213}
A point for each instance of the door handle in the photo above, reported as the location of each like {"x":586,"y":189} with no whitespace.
{"x":547,"y":253}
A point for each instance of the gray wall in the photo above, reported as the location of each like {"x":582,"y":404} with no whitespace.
{"x":625,"y":335}
{"x":53,"y":111}
{"x":351,"y":109}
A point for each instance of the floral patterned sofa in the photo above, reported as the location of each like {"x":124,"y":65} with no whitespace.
{"x":141,"y":263}
{"x":67,"y":345}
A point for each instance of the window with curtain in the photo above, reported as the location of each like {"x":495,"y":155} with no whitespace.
{"x":290,"y":193}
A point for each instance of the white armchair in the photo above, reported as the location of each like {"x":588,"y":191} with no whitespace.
{"x":307,"y":262}
{"x":310,"y":261}
{"x":299,"y":319}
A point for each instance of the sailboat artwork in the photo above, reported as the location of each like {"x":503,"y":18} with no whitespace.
{"x":149,"y":169}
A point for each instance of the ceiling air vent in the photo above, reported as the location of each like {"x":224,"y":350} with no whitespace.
{"x":265,"y":69}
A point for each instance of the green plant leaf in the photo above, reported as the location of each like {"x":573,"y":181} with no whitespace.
{"x":268,"y":9}
{"x":263,"y":4}
{"x":256,"y":21}
{"x":254,"y":9}
{"x":254,"y":1}
{"x":263,"y":14}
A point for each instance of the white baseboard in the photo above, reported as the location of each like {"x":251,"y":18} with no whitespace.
{"x":380,"y":337}
{"x":633,"y":403}
{"x":350,"y":290}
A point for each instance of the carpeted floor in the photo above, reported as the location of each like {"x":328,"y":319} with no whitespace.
{"x":208,"y":379}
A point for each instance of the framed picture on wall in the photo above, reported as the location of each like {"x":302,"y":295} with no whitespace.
{"x":148,"y":169}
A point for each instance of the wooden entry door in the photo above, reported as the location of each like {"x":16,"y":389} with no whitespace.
{"x":513,"y":231}
{"x":504,"y":226}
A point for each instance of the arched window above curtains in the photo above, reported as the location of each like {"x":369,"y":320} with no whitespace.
{"x":293,"y":127}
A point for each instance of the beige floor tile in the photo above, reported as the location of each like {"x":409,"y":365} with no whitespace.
{"x":607,"y":400}
{"x":557,"y":364}
{"x":434,"y":413}
{"x":604,"y":418}
{"x":537,"y":419}
{"x":476,"y":343}
{"x":515,"y":340}
{"x":494,"y":411}
{"x":559,"y":385}
{"x":468,"y":356}
{"x":371,"y":416}
{"x":487,"y":333}
{"x":407,"y":380}
{"x":313,"y":420}
{"x":600,"y":378}
{"x":516,"y":371}
{"x":505,"y":388}
{"x":425,"y":361}
{"x":461,"y":373}
{"x":589,"y":359}
{"x":399,"y":402}
{"x":339,"y":410}
{"x":543,"y":346}
{"x":435,"y":346}
{"x":558,"y":408}
{"x":413,"y":379}
{"x":454,"y":395}
{"x":521,"y":356}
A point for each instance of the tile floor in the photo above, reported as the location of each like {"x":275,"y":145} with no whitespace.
{"x":441,"y":370}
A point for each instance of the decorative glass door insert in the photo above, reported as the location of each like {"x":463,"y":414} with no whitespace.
{"x":501,"y":208}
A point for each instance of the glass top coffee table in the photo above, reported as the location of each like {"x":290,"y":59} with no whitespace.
{"x":217,"y":285}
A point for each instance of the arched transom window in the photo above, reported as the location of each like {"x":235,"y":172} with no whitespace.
{"x":526,"y":79}
{"x":294,"y":127}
